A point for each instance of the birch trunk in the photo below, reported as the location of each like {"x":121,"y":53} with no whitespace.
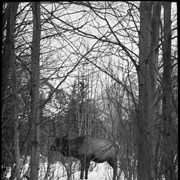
{"x":35,"y":92}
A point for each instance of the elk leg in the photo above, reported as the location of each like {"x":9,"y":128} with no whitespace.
{"x":86,"y":168}
{"x":82,"y":170}
{"x":114,"y":172}
{"x":113,"y":164}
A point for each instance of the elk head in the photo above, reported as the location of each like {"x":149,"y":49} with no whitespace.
{"x":58,"y":144}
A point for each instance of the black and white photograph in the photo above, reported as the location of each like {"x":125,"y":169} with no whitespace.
{"x":89,"y":90}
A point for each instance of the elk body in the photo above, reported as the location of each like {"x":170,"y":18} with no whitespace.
{"x":87,"y":149}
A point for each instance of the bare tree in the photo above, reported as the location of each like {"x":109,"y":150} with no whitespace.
{"x":35,"y":132}
{"x":147,"y":77}
{"x":167,"y":107}
{"x":16,"y":101}
{"x":9,"y":69}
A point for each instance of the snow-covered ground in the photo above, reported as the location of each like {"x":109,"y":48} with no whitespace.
{"x":101,"y":171}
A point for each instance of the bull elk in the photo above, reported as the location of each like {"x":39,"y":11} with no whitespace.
{"x":87,"y":149}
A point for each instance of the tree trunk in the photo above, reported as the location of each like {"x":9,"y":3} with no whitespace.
{"x":169,"y":171}
{"x":147,"y":79}
{"x":8,"y":44}
{"x":34,"y":125}
{"x":14,"y":88}
{"x":9,"y":69}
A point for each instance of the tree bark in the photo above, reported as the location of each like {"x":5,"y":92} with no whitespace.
{"x":8,"y":44}
{"x":14,"y":88}
{"x":169,"y":171}
{"x":147,"y":79}
{"x":34,"y":125}
{"x":9,"y":69}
